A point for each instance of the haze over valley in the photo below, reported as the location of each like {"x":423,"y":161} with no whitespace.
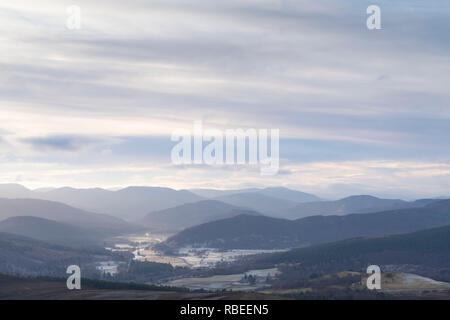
{"x":210,"y":238}
{"x":241,"y":149}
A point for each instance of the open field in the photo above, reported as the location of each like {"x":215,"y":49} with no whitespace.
{"x":141,"y":248}
{"x":401,"y":283}
{"x":352,"y":285}
{"x":229,"y":282}
{"x":12,"y":288}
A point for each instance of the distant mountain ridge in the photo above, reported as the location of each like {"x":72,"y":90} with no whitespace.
{"x":261,"y":232}
{"x":285,"y":203}
{"x":27,"y":256}
{"x":129,"y":203}
{"x":258,"y":201}
{"x":190,"y":214}
{"x":429,"y":247}
{"x":134,"y":203}
{"x":13,"y":191}
{"x":63,"y":213}
{"x":348,"y":205}
{"x":50,"y":231}
{"x":274,"y":192}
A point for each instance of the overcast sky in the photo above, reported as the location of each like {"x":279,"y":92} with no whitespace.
{"x":359,"y":111}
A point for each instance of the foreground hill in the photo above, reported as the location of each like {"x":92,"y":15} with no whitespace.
{"x":260,"y":232}
{"x":13,"y":287}
{"x":50,"y":231}
{"x":429,"y":249}
{"x":22,"y":255}
{"x":63,"y":213}
{"x":353,"y":204}
{"x":188,"y":215}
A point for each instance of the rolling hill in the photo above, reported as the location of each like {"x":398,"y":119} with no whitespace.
{"x":65,"y":214}
{"x":130,"y":203}
{"x":50,"y":231}
{"x":26,"y":256}
{"x":45,"y":288}
{"x":430,"y":247}
{"x":352,"y":204}
{"x":289,"y":194}
{"x":259,"y":202}
{"x":13,"y":191}
{"x":274,"y":192}
{"x":260,"y":232}
{"x":188,"y":215}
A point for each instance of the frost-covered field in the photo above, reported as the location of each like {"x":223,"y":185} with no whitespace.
{"x":110,"y":267}
{"x":232,"y":282}
{"x":209,"y":257}
{"x":140,"y":246}
{"x":404,"y":282}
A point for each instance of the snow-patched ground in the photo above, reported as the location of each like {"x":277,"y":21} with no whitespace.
{"x":411,"y":282}
{"x":230,"y":282}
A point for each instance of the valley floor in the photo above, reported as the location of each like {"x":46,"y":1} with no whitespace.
{"x":394,"y":286}
{"x":15,"y":288}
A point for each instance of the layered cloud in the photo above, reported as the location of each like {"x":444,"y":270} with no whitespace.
{"x":102,"y":101}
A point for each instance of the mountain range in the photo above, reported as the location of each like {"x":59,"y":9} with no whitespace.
{"x":23,"y":255}
{"x":135,"y":203}
{"x":352,"y":204}
{"x":51,"y":231}
{"x":430,"y":247}
{"x":129,"y":203}
{"x":258,"y":202}
{"x":262,"y":232}
{"x":190,"y":214}
{"x":63,"y":213}
{"x":187,"y":215}
{"x":274,"y":192}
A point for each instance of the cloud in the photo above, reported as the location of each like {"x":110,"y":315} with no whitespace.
{"x":113,"y":91}
{"x":62,"y":143}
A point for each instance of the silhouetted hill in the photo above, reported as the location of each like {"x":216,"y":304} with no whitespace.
{"x":188,"y":215}
{"x":63,"y":213}
{"x":289,"y":194}
{"x":352,"y":204}
{"x":429,"y":247}
{"x":130,"y":203}
{"x":258,"y":201}
{"x":274,"y":192}
{"x":260,"y":232}
{"x":12,"y":190}
{"x":22,"y":255}
{"x":50,"y":231}
{"x":243,"y":231}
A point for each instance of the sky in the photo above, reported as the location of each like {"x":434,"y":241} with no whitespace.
{"x":359,"y":111}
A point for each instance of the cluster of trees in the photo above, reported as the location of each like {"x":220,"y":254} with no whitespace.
{"x":249,"y":278}
{"x":146,"y":271}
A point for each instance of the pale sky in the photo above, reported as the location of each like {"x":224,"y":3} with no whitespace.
{"x":359,"y":111}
